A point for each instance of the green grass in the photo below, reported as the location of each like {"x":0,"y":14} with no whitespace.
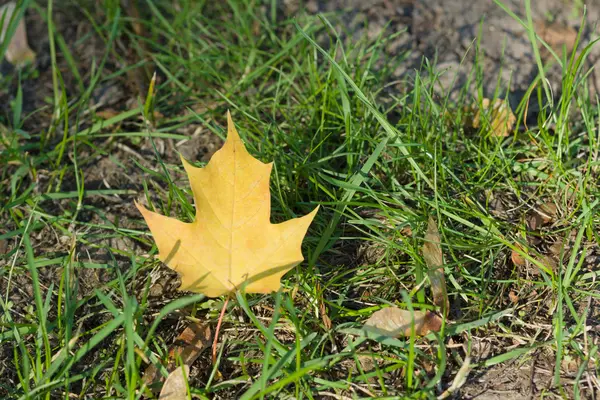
{"x":79,"y":317}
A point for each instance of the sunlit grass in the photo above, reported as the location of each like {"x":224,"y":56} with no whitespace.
{"x":78,"y":318}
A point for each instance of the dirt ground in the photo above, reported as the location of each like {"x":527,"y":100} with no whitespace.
{"x":445,"y":32}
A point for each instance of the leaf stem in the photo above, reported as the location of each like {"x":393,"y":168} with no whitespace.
{"x":216,"y":339}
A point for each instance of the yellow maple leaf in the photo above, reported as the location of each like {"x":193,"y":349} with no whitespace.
{"x":231,"y":241}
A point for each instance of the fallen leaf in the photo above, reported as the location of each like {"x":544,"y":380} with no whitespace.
{"x":548,"y":212}
{"x":534,"y":221}
{"x":395,"y":322}
{"x":190,"y":343}
{"x":516,"y":258}
{"x":498,"y":116}
{"x":107,"y":114}
{"x":324,"y":317}
{"x":232,"y":241}
{"x":18,"y":51}
{"x":175,"y":387}
{"x":406,"y":231}
{"x":432,"y":253}
{"x":367,"y":364}
{"x":512,"y":296}
{"x":557,"y":248}
{"x":187,"y":346}
{"x":549,"y":263}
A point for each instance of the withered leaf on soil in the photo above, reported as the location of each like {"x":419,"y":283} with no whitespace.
{"x":18,"y":51}
{"x":548,"y":211}
{"x":107,"y":114}
{"x":497,"y":115}
{"x":324,"y":317}
{"x":175,"y":387}
{"x":549,"y":263}
{"x":396,"y":322}
{"x":432,"y":253}
{"x":232,"y":242}
{"x":187,"y":346}
{"x":547,"y":260}
{"x":516,"y":258}
{"x":557,"y":248}
{"x":534,"y":221}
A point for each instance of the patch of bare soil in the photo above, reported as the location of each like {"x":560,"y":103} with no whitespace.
{"x":526,"y":379}
{"x":450,"y":33}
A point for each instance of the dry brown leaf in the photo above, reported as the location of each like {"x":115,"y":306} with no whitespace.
{"x":190,"y":343}
{"x":107,"y":114}
{"x":549,"y":263}
{"x":324,"y":317}
{"x":175,"y":387}
{"x":232,"y":241}
{"x":534,"y":221}
{"x":18,"y":52}
{"x":187,"y":346}
{"x":517,"y":259}
{"x":432,"y":249}
{"x":406,"y":231}
{"x":548,"y":212}
{"x":395,"y":322}
{"x":432,"y":253}
{"x":497,"y":115}
{"x":557,"y":248}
